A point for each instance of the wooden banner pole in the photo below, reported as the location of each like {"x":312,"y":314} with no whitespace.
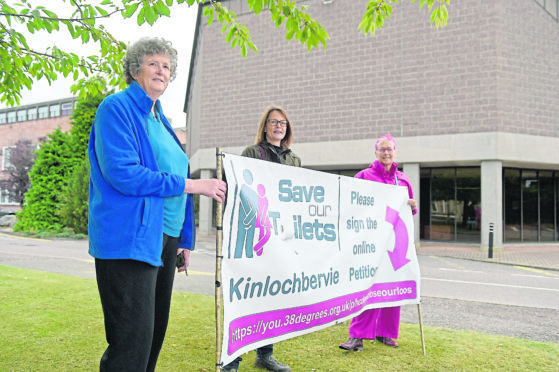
{"x":421,"y":328}
{"x":218,"y":259}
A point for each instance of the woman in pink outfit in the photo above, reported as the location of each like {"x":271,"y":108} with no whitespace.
{"x":381,"y":324}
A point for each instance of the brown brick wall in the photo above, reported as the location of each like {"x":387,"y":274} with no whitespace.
{"x":495,"y":67}
{"x":10,"y":133}
{"x":528,"y":69}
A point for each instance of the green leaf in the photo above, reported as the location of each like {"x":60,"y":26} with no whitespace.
{"x":289,"y":35}
{"x":209,"y":13}
{"x":257,"y":7}
{"x":230,"y":34}
{"x":434,"y":15}
{"x":85,"y":37}
{"x":71,"y":30}
{"x":161,"y":8}
{"x":444,"y":15}
{"x":129,"y":10}
{"x":304,"y":34}
{"x":49,"y":13}
{"x":102,"y":11}
{"x":140,"y":19}
{"x":48,"y":26}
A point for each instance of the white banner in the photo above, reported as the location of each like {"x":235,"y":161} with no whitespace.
{"x":303,"y":250}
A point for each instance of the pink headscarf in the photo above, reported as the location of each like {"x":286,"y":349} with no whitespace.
{"x":386,"y":137}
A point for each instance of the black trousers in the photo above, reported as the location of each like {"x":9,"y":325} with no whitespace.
{"x":136,"y":299}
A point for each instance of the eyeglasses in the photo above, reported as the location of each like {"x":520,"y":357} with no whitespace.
{"x":278,"y":123}
{"x":385,"y":149}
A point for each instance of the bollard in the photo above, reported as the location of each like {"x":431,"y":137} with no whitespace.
{"x":490,"y":251}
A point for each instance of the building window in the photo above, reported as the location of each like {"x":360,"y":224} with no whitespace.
{"x":6,"y":199}
{"x":450,"y":207}
{"x":32,"y":113}
{"x":512,"y":202}
{"x":43,"y":112}
{"x":67,"y":109}
{"x":11,"y":117}
{"x":547,"y":206}
{"x":3,"y":197}
{"x":443,"y":207}
{"x":3,"y":118}
{"x":468,"y":199}
{"x":6,"y":153}
{"x":530,"y":205}
{"x":21,"y":115}
{"x":530,"y":187}
{"x":55,"y":111}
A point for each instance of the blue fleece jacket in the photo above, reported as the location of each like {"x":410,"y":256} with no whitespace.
{"x":126,"y":188}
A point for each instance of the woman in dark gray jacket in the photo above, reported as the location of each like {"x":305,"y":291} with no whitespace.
{"x":274,"y":138}
{"x":272,"y":144}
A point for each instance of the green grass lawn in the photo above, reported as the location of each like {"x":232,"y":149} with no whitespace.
{"x":53,"y":322}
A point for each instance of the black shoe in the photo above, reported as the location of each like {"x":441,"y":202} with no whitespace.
{"x":271,"y":364}
{"x":387,"y":341}
{"x":231,"y":367}
{"x":355,"y":344}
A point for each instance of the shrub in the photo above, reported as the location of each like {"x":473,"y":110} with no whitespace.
{"x":74,"y":199}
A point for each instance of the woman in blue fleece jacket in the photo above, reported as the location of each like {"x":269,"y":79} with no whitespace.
{"x":141,"y":213}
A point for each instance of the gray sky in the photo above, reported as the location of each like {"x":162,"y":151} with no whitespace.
{"x":179,"y":29}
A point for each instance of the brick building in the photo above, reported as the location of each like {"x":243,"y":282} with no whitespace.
{"x":474,"y":107}
{"x":29,"y":122}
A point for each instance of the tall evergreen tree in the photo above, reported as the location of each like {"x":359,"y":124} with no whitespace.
{"x":54,"y":163}
{"x":81,"y":120}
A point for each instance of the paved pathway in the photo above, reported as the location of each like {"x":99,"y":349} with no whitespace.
{"x":539,"y":256}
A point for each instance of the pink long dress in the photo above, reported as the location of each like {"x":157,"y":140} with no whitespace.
{"x":382,"y":322}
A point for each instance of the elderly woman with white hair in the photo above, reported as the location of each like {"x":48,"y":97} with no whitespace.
{"x":381,"y":324}
{"x":141,"y":213}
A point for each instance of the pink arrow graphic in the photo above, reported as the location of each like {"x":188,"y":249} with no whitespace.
{"x":398,"y":255}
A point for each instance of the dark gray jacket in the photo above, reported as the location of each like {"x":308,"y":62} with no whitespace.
{"x":285,"y":156}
